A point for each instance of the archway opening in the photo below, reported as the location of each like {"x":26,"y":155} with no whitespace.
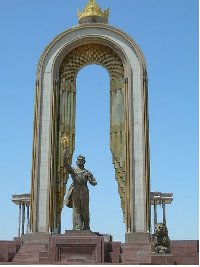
{"x":93,"y":141}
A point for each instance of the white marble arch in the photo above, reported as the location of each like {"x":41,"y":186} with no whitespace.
{"x":135,"y":71}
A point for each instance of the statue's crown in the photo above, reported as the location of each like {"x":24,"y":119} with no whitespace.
{"x":93,"y":10}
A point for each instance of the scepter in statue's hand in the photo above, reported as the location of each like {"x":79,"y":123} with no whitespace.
{"x":64,"y":142}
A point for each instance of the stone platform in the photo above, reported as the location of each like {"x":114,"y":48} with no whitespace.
{"x":92,"y":248}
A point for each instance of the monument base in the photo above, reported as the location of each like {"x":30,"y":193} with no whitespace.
{"x":86,"y":247}
{"x":137,"y":238}
{"x":75,"y":247}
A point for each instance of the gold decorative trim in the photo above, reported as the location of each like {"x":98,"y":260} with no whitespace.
{"x":33,"y":197}
{"x":91,"y":54}
{"x":105,"y":56}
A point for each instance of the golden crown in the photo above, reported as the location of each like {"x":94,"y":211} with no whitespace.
{"x":92,"y":9}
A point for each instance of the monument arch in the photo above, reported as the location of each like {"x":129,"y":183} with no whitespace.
{"x":55,"y":98}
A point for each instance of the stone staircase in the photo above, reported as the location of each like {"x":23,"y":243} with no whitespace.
{"x":136,"y":253}
{"x":29,"y":253}
{"x":112,"y":252}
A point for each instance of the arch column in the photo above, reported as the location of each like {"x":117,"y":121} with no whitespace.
{"x":19,"y":220}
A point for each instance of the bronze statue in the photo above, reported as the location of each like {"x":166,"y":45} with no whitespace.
{"x":161,"y":242}
{"x":78,"y":194}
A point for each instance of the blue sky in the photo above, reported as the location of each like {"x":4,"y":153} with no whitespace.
{"x":167,"y":32}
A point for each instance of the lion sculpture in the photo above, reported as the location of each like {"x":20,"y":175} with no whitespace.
{"x":161,"y":242}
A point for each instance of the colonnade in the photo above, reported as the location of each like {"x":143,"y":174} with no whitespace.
{"x":158,"y":198}
{"x":23,"y":201}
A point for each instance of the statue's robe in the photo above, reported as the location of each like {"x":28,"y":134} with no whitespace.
{"x":80,"y":197}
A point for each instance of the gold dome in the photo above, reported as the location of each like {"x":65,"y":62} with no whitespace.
{"x":94,"y":12}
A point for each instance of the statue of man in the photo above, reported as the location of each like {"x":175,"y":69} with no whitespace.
{"x":79,"y":192}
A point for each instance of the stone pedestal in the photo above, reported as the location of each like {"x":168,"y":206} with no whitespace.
{"x":42,"y":238}
{"x":137,"y":238}
{"x":76,"y":247}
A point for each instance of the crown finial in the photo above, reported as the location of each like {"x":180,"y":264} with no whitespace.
{"x":93,"y":13}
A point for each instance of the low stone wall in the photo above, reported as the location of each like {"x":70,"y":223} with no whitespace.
{"x":8,"y":249}
{"x":185,"y":252}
